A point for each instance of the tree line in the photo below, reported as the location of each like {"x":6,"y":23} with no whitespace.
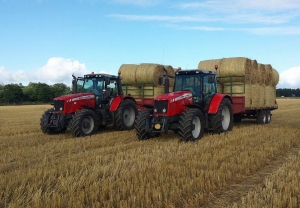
{"x":44,"y":93}
{"x":33,"y":93}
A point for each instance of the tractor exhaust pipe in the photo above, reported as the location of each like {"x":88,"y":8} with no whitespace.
{"x":74,"y":84}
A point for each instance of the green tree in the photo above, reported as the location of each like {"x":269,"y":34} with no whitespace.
{"x":12,"y":93}
{"x":60,"y":89}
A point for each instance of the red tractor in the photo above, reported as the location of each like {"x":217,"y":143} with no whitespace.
{"x":97,"y":101}
{"x":195,"y":105}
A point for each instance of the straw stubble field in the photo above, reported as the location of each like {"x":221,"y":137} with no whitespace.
{"x":251,"y":166}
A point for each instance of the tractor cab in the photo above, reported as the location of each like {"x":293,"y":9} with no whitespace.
{"x":104,"y":86}
{"x":201,"y":83}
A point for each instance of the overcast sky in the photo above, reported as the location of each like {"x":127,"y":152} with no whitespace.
{"x":49,"y":40}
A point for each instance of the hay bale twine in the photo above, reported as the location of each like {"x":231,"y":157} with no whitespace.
{"x":238,"y":66}
{"x":149,"y":73}
{"x":268,"y":74}
{"x":260,"y":73}
{"x":210,"y":64}
{"x":270,"y":95}
{"x":275,"y":77}
{"x":128,"y":73}
{"x":239,"y":89}
{"x":132,"y":90}
{"x":254,"y":76}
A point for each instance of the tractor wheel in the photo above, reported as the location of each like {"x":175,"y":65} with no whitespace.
{"x":261,"y":117}
{"x":44,"y":124}
{"x":83,"y":123}
{"x":140,"y":124}
{"x":191,"y":125}
{"x":125,"y":115}
{"x":268,"y":116}
{"x":222,"y":121}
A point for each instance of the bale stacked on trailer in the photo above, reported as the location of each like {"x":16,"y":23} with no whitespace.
{"x":142,"y":80}
{"x":259,"y":79}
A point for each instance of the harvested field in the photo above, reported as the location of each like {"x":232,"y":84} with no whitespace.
{"x":251,"y":166}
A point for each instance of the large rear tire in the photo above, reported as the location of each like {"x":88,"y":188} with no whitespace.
{"x":125,"y":115}
{"x":191,"y":125}
{"x":140,"y":124}
{"x":222,"y":121}
{"x":45,"y":120}
{"x":84,"y":123}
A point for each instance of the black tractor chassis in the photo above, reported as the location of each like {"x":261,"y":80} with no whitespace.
{"x":165,"y":123}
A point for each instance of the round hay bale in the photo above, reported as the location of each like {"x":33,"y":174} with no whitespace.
{"x":171,"y":72}
{"x":270,"y":95}
{"x":132,"y":90}
{"x":256,"y":95}
{"x":275,"y":77}
{"x":238,"y":89}
{"x":209,"y":64}
{"x":254,"y":72}
{"x":149,"y":73}
{"x":128,"y":73}
{"x":268,"y":74}
{"x":260,"y":73}
{"x":238,"y":66}
{"x":262,"y":99}
{"x":220,"y":88}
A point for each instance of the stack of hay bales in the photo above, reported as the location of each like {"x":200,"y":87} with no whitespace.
{"x":142,"y":80}
{"x":241,"y":76}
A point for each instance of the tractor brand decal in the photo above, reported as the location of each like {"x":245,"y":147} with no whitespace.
{"x":84,"y":97}
{"x":188,"y":95}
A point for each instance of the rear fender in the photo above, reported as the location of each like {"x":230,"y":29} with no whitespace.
{"x":116,"y":102}
{"x":216,"y":101}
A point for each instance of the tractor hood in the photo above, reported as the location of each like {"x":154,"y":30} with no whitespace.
{"x":75,"y":97}
{"x":175,"y":96}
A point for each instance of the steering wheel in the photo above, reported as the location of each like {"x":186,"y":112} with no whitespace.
{"x":190,"y":89}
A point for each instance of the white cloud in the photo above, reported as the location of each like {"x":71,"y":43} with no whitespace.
{"x":290,"y":78}
{"x":56,"y":70}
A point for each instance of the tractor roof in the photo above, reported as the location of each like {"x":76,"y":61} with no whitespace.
{"x":100,"y":75}
{"x":195,"y":71}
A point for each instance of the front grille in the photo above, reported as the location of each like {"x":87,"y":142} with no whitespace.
{"x":159,"y":105}
{"x":59,"y":105}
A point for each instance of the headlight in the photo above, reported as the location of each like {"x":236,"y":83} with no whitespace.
{"x":155,"y":110}
{"x":164,"y":110}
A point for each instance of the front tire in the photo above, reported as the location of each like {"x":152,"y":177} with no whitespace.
{"x":191,"y":125}
{"x":84,"y":123}
{"x":222,"y":121}
{"x":140,"y":125}
{"x":125,"y":115}
{"x":45,"y":120}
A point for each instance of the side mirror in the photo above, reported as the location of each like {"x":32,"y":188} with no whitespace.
{"x":107,"y":80}
{"x":211,"y":79}
{"x":160,"y":80}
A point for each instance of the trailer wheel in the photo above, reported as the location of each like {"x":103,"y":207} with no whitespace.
{"x":125,"y":115}
{"x":140,"y":125}
{"x":84,"y":123}
{"x":222,"y":121}
{"x":269,"y":116}
{"x":261,"y":117}
{"x":44,"y":121}
{"x":191,"y":125}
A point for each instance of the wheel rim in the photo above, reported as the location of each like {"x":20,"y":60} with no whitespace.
{"x":87,"y":125}
{"x":128,"y":116}
{"x":268,"y":117}
{"x":225,"y":118}
{"x":197,"y":123}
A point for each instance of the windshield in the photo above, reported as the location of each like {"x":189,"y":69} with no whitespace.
{"x":89,"y":84}
{"x":188,"y":82}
